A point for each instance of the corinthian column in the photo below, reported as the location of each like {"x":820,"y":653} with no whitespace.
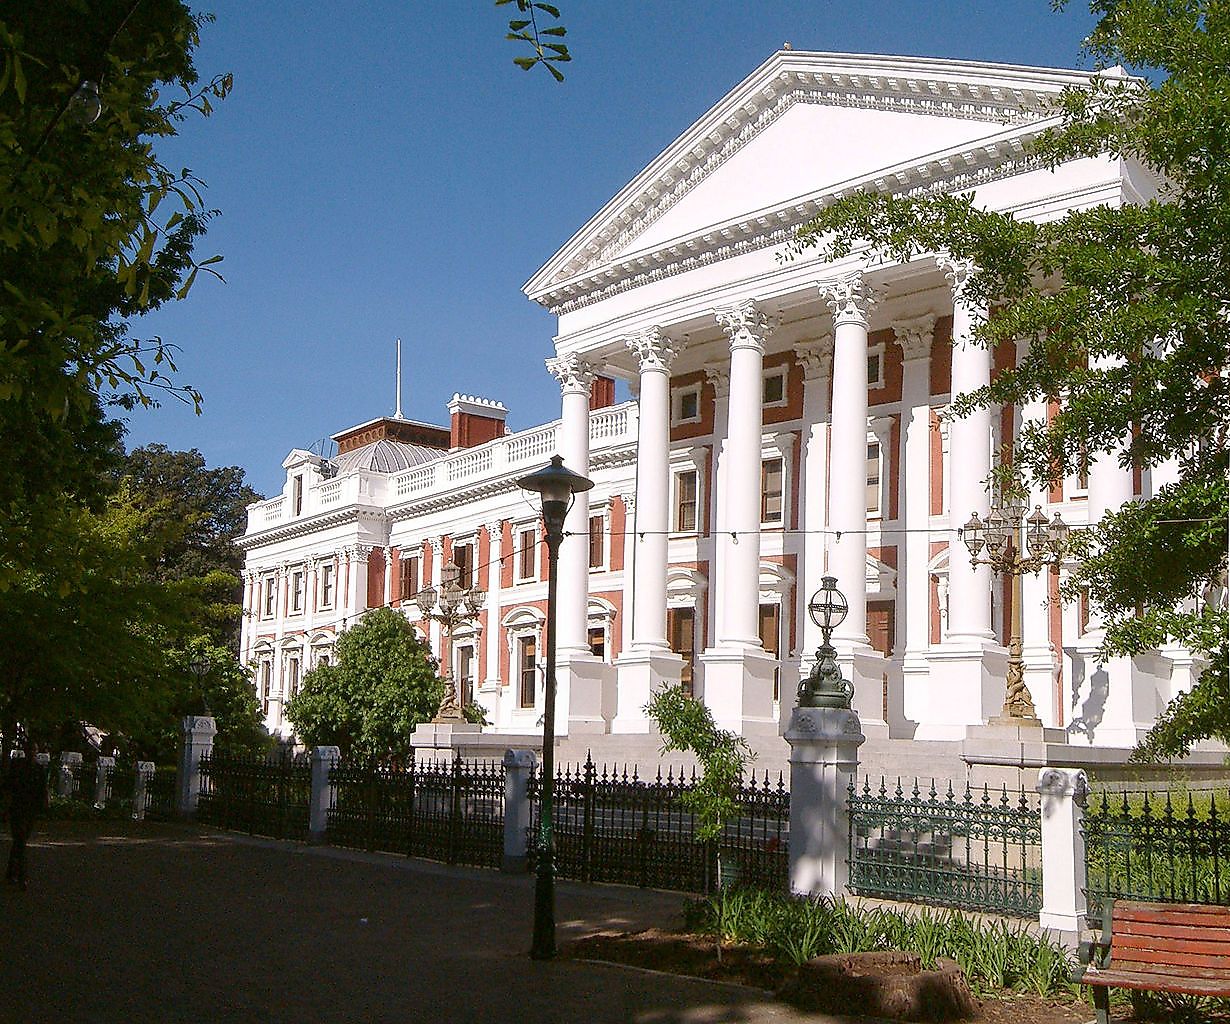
{"x":575,"y":377}
{"x":816,"y":358}
{"x":747,"y":327}
{"x":850,"y":300}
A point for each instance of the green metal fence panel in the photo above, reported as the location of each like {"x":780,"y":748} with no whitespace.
{"x":445,"y":810}
{"x":1159,"y":846}
{"x":610,"y":825}
{"x":980,"y":850}
{"x":264,"y":797}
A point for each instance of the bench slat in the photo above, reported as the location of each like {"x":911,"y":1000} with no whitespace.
{"x":1159,"y":982}
{"x":1173,"y":931}
{"x":1165,"y":972}
{"x":1172,"y":913}
{"x":1162,"y":956}
{"x":1215,"y":946}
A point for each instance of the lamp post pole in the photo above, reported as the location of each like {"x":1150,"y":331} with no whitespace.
{"x":1006,"y":535}
{"x":557,"y":484}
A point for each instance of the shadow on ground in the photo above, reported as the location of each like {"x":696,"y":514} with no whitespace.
{"x":166,"y":923}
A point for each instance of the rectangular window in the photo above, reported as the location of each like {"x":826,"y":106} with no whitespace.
{"x":296,"y":591}
{"x":685,"y":501}
{"x":775,"y":388}
{"x":597,"y":541}
{"x":408,"y":577}
{"x":527,"y":554}
{"x":770,"y":639}
{"x":326,"y":585}
{"x":597,"y":642}
{"x":687,"y":405}
{"x":466,"y":664}
{"x":527,"y":670}
{"x":873,"y":477}
{"x":463,"y":558}
{"x":297,"y":494}
{"x":266,"y":686}
{"x":271,"y":597}
{"x":875,"y":370}
{"x":292,"y":677}
{"x":681,"y":634}
{"x":772,"y":473}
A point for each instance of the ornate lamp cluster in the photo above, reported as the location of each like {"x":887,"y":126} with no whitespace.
{"x":825,"y":687}
{"x":451,"y":606}
{"x":1016,"y":545}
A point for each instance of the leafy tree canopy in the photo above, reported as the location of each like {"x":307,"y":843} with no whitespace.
{"x":1126,"y":309}
{"x":382,"y":684}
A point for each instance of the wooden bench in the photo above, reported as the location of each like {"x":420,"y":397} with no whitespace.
{"x":1157,"y":947}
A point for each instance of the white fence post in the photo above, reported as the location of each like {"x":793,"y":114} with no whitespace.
{"x":1063,"y":792}
{"x":102,"y":780}
{"x":824,"y":746}
{"x":142,"y":775}
{"x":66,"y":784}
{"x":323,"y":760}
{"x":199,"y":733}
{"x":517,"y":767}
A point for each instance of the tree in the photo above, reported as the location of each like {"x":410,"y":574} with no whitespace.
{"x":549,"y":53}
{"x":382,"y":684}
{"x":1126,"y":312}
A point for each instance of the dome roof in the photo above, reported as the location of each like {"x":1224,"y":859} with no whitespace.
{"x":386,"y":456}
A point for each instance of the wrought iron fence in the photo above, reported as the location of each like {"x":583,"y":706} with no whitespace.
{"x":81,"y":774}
{"x":977,"y":851}
{"x":451,"y":811}
{"x":119,"y":780}
{"x":612,"y":826}
{"x":1156,"y":846}
{"x":265,"y":797}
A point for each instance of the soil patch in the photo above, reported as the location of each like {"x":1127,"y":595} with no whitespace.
{"x":695,"y":956}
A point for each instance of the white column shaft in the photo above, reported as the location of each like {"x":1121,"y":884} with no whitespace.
{"x":652,"y":508}
{"x":739,"y":590}
{"x":574,"y":550}
{"x":813,"y":490}
{"x":916,"y":457}
{"x":495,"y":538}
{"x":969,"y":464}
{"x":848,"y":475}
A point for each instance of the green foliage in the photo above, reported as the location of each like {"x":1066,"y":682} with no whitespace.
{"x":525,"y":29}
{"x":687,"y":725}
{"x":994,"y":955}
{"x":1125,"y":309}
{"x":382,"y":684}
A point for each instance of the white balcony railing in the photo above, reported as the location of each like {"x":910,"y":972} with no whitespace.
{"x":608,"y":428}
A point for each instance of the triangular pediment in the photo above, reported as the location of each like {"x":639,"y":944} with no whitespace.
{"x":798,"y":124}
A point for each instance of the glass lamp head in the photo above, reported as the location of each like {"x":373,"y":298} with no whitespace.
{"x":1058,"y":531}
{"x":996,"y":533}
{"x":555,"y":481}
{"x":973,"y":533}
{"x":828,"y":606}
{"x":1035,"y":533}
{"x":426,"y":599}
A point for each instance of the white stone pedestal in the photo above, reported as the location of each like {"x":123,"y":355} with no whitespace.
{"x":583,"y":704}
{"x":1106,"y":714}
{"x":966,"y":688}
{"x":739,"y":689}
{"x":866,"y":668}
{"x":824,"y":746}
{"x":321,"y":799}
{"x":1063,"y":792}
{"x":434,"y":736}
{"x":199,"y":733}
{"x":518,"y":764}
{"x":66,"y":785}
{"x":640,"y":674}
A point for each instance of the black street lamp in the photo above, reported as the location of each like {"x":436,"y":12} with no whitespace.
{"x":1000,"y":533}
{"x":825,"y":687}
{"x":200,"y":667}
{"x":557,"y":484}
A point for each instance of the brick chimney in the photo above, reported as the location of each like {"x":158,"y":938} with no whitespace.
{"x":475,"y":421}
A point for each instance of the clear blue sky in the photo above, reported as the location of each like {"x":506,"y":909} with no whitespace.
{"x":383,"y":169}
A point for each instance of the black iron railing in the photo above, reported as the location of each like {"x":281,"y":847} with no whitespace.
{"x":613,"y":826}
{"x":451,"y":811}
{"x":979,"y":850}
{"x":160,"y":794}
{"x":260,"y":796}
{"x":1158,"y":846}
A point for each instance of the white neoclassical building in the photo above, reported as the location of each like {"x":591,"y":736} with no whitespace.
{"x":789,"y":420}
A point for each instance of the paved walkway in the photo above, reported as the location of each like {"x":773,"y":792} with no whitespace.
{"x":167,"y":923}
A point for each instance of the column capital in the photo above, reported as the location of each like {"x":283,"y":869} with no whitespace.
{"x":574,"y":374}
{"x":629,"y":500}
{"x":718,"y":377}
{"x":653,"y":349}
{"x":914,"y":336}
{"x":959,"y":271}
{"x":745,"y":324}
{"x":850,"y":297}
{"x":816,"y":357}
{"x":437,"y":545}
{"x":494,"y":528}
